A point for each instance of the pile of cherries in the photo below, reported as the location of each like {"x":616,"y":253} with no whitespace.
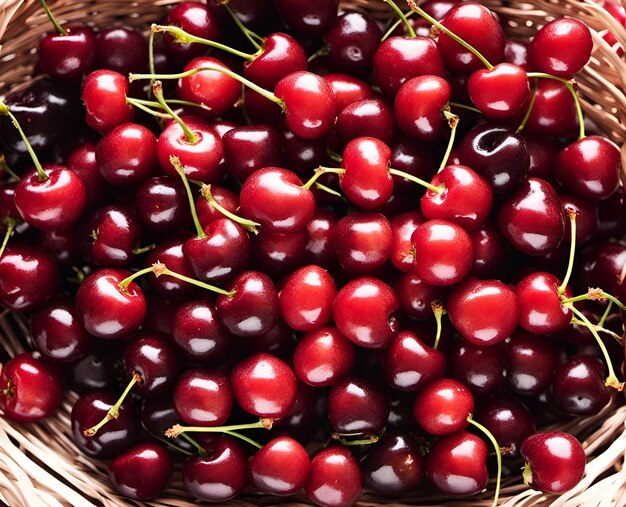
{"x":312,"y":255}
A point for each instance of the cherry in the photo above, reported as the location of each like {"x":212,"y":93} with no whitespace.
{"x":480,"y":368}
{"x":601,"y":266}
{"x":160,"y":204}
{"x":302,"y":422}
{"x":335,"y":479}
{"x":395,"y":465}
{"x":456,"y":464}
{"x":108,"y":310}
{"x":555,"y":461}
{"x":589,"y":168}
{"x":220,"y":475}
{"x":196,"y":19}
{"x":264,"y":385}
{"x":170,"y":252}
{"x":141,"y":472}
{"x":485,"y":88}
{"x":82,"y":161}
{"x":348,"y":89}
{"x":268,"y":472}
{"x":531,"y":363}
{"x":554,"y":112}
{"x":203,"y":398}
{"x":578,"y":386}
{"x":586,"y":218}
{"x":321,"y":232}
{"x":363,"y":241}
{"x":489,"y":250}
{"x":119,"y":434}
{"x":543,"y":153}
{"x":365,"y":118}
{"x":539,"y":299}
{"x":225,"y":198}
{"x":485,"y":312}
{"x":58,"y":333}
{"x":363,"y":312}
{"x":121,"y":49}
{"x":561,"y":47}
{"x":532,"y":217}
{"x":443,"y":406}
{"x":249,"y":148}
{"x":507,"y":419}
{"x":103,"y":93}
{"x":352,"y":42}
{"x":308,"y":18}
{"x":95,"y":370}
{"x":302,"y":155}
{"x":416,"y":297}
{"x":30,"y":388}
{"x":113,"y":236}
{"x":323,"y":356}
{"x":443,"y":252}
{"x":69,"y":54}
{"x":306,"y":298}
{"x":28,"y":277}
{"x":418,"y":105}
{"x":278,"y":254}
{"x":402,"y":227}
{"x":356,"y":405}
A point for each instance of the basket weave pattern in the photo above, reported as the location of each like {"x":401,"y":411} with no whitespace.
{"x":40,"y":465}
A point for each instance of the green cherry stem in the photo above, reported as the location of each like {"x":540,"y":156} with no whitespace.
{"x":114,"y":411}
{"x":4,"y":110}
{"x":529,"y":110}
{"x":151,"y":67}
{"x":415,"y":179}
{"x":370,"y":438}
{"x":184,"y":37}
{"x":496,"y":446}
{"x":214,"y":68}
{"x":438,"y":311}
{"x":250,"y":35}
{"x":249,"y":225}
{"x":157,"y":89}
{"x":136,"y":103}
{"x":413,"y":5}
{"x":599,"y":329}
{"x":328,"y":190}
{"x":572,"y":250}
{"x":570,"y":86}
{"x":465,"y":106}
{"x":595,"y":294}
{"x":606,"y":313}
{"x":244,"y":438}
{"x":58,"y":27}
{"x":611,"y":380}
{"x":5,"y":168}
{"x":323,"y":51}
{"x":193,"y":442}
{"x":11,"y":223}
{"x":453,"y":121}
{"x":143,"y":249}
{"x":395,"y":25}
{"x":232,"y":430}
{"x":175,"y":161}
{"x":402,"y":17}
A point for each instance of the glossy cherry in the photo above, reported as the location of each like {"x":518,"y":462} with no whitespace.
{"x":443,"y":406}
{"x":499,"y":92}
{"x":121,"y":49}
{"x":531,"y":363}
{"x":113,"y":236}
{"x":141,"y":472}
{"x":578,"y":386}
{"x":363,"y":241}
{"x":306,"y":18}
{"x":348,"y":89}
{"x":356,"y":405}
{"x":203,"y":398}
{"x":104,"y":94}
{"x":68,"y":57}
{"x":196,"y":19}
{"x":335,"y":479}
{"x":508,"y":420}
{"x":540,"y":309}
{"x":402,"y":227}
{"x":249,"y":148}
{"x":160,"y":204}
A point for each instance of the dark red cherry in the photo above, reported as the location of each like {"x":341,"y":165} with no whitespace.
{"x":531,"y":363}
{"x":589,"y":168}
{"x":113,"y":236}
{"x":456,"y":464}
{"x":115,"y":436}
{"x":54,"y":203}
{"x":249,"y":148}
{"x":489,"y":250}
{"x":264,"y":385}
{"x":220,"y":475}
{"x":555,"y":461}
{"x":352,"y":42}
{"x":443,"y":406}
{"x":554,"y":112}
{"x":28,"y":277}
{"x":203,"y":398}
{"x":303,"y":156}
{"x":161,"y":204}
{"x":348,"y":89}
{"x":508,"y":420}
{"x":335,"y":479}
{"x":395,"y":465}
{"x":121,"y":49}
{"x":363,"y":241}
{"x":63,"y":245}
{"x":543,"y":152}
{"x":170,"y":253}
{"x":363,"y":312}
{"x":365,"y":118}
{"x":106,"y":309}
{"x":141,"y":472}
{"x":278,"y":254}
{"x":561,"y":47}
{"x":224,"y":197}
{"x":414,"y":157}
{"x":601,"y":266}
{"x":194,"y":18}
{"x":307,"y":18}
{"x":96,"y":370}
{"x":356,"y":405}
{"x":323,"y":356}
{"x":578,"y":386}
{"x":103,"y":93}
{"x":480,"y":368}
{"x":82,"y":161}
{"x":532,"y":218}
{"x":68,"y":57}
{"x":586,"y":218}
{"x":416,"y":296}
{"x":443,"y":252}
{"x":267,"y":470}
{"x":320,"y":230}
{"x":499,"y":92}
{"x":30,"y":388}
{"x":485,"y":312}
{"x":476,"y":25}
{"x":540,"y":309}
{"x":58,"y":333}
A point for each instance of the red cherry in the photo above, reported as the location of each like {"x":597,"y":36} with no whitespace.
{"x":104,"y":94}
{"x":540,"y":309}
{"x":196,"y":19}
{"x":335,"y":479}
{"x":356,"y":405}
{"x":443,"y":406}
{"x":499,"y":92}
{"x":203,"y":398}
{"x":363,"y":241}
{"x":68,"y":57}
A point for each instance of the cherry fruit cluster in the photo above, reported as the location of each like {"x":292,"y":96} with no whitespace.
{"x":320,"y":258}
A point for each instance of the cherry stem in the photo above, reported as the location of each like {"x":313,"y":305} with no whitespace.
{"x":58,"y":27}
{"x":139,"y":105}
{"x":323,"y":51}
{"x":134,"y":101}
{"x":151,"y":67}
{"x":215,"y":68}
{"x":570,"y":86}
{"x":249,"y":225}
{"x":611,"y":380}
{"x":165,"y":442}
{"x":598,"y":327}
{"x":606,"y":313}
{"x":465,"y":106}
{"x":395,"y":25}
{"x":160,"y":269}
{"x":157,"y":89}
{"x":402,"y":17}
{"x":529,"y":110}
{"x":250,"y":35}
{"x":527,"y":474}
{"x":143,"y":249}
{"x":201,"y":451}
{"x":571,"y":213}
{"x":438,"y":310}
{"x":328,"y":190}
{"x":11,"y":223}
{"x":595,"y":294}
{"x":114,"y":411}
{"x":183,"y":37}
{"x":175,"y":161}
{"x":453,"y":121}
{"x":496,"y":446}
{"x":415,"y":179}
{"x":244,"y":438}
{"x":5,"y":167}
{"x":413,"y":5}
{"x":334,"y":156}
{"x":232,"y":430}
{"x":322,"y":170}
{"x":4,"y":110}
{"x":369,"y":439}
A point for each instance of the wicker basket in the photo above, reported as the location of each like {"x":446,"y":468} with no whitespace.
{"x":40,"y":465}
